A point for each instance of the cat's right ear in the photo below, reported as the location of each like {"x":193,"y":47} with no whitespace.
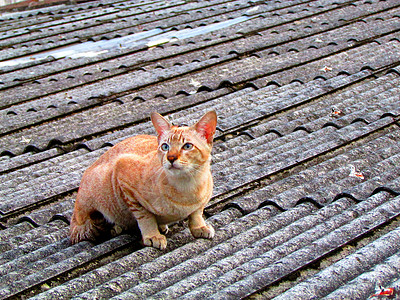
{"x":160,"y":123}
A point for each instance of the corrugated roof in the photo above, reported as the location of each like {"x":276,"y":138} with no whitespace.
{"x":306,"y":202}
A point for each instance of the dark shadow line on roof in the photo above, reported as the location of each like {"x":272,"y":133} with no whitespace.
{"x":107,"y":144}
{"x":251,"y":85}
{"x":375,"y":191}
{"x":235,"y":206}
{"x":54,"y":143}
{"x":246,"y":133}
{"x":343,"y":73}
{"x":367,"y":68}
{"x":274,"y":131}
{"x":272,"y":203}
{"x":59,"y":217}
{"x":385,"y":189}
{"x":360,"y":120}
{"x":83,"y":146}
{"x":234,"y":52}
{"x":204,"y":88}
{"x":31,"y":148}
{"x":320,"y":77}
{"x":7,"y":153}
{"x":118,"y":101}
{"x":182,"y":92}
{"x":303,"y":128}
{"x":225,"y":84}
{"x":346,"y":195}
{"x":28,"y":220}
{"x":393,"y":71}
{"x":297,"y":80}
{"x":397,"y":121}
{"x":308,"y":200}
{"x":388,"y":114}
{"x":331,"y":124}
{"x":273,"y":82}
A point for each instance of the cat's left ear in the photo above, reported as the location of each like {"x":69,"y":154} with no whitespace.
{"x":160,"y":123}
{"x":206,"y":126}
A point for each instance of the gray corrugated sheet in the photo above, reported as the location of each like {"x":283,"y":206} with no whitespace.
{"x":305,"y":92}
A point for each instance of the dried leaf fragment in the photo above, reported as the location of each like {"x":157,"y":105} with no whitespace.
{"x":336,"y":112}
{"x":355,"y":173}
{"x":24,"y":140}
{"x":194,"y":82}
{"x":384,"y":292}
{"x":326,"y":69}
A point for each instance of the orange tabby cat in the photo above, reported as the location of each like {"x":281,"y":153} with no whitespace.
{"x":149,"y":181}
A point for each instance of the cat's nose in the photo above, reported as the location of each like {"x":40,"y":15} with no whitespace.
{"x":172,"y":157}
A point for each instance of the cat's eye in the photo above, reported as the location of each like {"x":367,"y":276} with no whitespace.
{"x":187,"y":146}
{"x":164,"y":147}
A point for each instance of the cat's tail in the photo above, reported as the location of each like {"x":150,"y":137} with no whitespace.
{"x":85,"y":230}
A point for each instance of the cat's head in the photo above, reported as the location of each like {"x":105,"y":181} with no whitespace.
{"x":185,"y":150}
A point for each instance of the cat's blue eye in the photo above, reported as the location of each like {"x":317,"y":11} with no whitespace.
{"x":187,"y":146}
{"x":164,"y":147}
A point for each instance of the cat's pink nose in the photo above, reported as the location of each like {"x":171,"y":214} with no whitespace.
{"x":171,"y":158}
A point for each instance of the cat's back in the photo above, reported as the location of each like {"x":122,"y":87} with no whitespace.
{"x":140,"y":145}
{"x":99,"y":174}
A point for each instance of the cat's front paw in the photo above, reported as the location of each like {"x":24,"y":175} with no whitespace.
{"x":203,"y":232}
{"x":156,"y":241}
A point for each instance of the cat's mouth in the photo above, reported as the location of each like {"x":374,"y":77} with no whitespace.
{"x":173,"y":167}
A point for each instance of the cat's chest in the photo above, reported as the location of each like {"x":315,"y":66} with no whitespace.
{"x":170,"y":206}
{"x":168,"y":211}
{"x":176,"y":201}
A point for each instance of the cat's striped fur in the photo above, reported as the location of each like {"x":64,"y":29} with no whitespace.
{"x":150,"y":182}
